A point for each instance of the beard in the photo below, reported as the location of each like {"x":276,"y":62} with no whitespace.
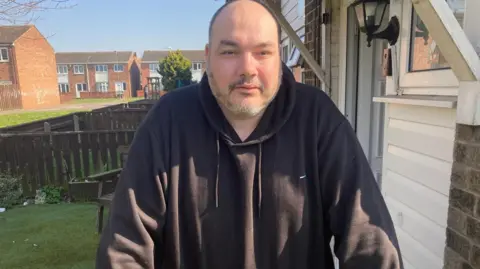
{"x":243,"y":108}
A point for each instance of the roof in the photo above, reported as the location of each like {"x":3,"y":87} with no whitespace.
{"x":10,"y":33}
{"x":93,"y":57}
{"x":157,"y":55}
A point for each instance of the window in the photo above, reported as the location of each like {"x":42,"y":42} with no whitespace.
{"x":102,"y":87}
{"x":101,"y":68}
{"x":78,"y":69}
{"x":81,"y":87}
{"x":63,"y":88}
{"x":196,"y":66}
{"x":285,"y":54}
{"x":301,"y":8}
{"x":118,"y":68}
{"x":3,"y":55}
{"x":62,"y":69}
{"x":424,"y":52}
{"x":153,"y":67}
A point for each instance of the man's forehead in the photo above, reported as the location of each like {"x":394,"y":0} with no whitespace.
{"x":244,"y":18}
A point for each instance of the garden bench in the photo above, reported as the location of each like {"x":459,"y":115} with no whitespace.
{"x":105,"y":199}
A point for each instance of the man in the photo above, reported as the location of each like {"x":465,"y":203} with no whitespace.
{"x":247,"y":169}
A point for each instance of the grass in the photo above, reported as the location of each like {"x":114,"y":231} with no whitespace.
{"x":25,"y":117}
{"x":64,"y":237}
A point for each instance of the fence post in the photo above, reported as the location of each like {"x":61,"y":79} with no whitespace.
{"x":76,"y":123}
{"x":46,"y":127}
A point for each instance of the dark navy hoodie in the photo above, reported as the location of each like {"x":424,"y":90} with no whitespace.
{"x":193,"y":195}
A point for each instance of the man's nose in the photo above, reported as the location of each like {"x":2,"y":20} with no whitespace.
{"x":248,"y":65}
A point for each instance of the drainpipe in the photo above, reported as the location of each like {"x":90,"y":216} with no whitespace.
{"x":86,"y":70}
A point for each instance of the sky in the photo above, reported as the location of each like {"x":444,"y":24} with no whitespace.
{"x":133,"y":25}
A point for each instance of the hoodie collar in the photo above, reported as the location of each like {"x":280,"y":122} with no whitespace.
{"x":276,"y":114}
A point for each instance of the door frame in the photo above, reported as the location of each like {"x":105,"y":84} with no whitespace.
{"x":350,"y":85}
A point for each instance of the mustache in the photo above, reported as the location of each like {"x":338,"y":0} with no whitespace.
{"x":245,"y":81}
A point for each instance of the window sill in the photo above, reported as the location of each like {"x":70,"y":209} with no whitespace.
{"x":419,"y":100}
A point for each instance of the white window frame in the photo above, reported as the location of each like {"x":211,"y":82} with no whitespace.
{"x":83,"y":87}
{"x":428,"y":82}
{"x":62,"y":69}
{"x":78,"y":69}
{"x":153,"y":65}
{"x":118,"y":68}
{"x":2,"y":59}
{"x":101,"y":68}
{"x":101,"y":86}
{"x":63,"y":87}
{"x":196,"y":66}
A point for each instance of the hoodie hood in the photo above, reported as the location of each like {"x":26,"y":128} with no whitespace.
{"x":275,"y":116}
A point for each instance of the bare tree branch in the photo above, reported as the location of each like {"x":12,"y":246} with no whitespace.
{"x":24,"y":11}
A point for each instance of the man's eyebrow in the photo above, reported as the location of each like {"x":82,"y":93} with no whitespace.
{"x":231,"y":43}
{"x":228,"y":43}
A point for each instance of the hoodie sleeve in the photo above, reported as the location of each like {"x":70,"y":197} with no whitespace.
{"x":133,"y":232}
{"x":355,"y":210}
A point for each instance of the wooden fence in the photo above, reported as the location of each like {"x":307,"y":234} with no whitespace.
{"x":10,"y":97}
{"x":41,"y":159}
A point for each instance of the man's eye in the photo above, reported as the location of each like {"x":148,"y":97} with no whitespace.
{"x":265,"y":53}
{"x":227,"y":52}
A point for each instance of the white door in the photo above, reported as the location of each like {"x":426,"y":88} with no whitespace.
{"x":366,"y":116}
{"x":119,"y":87}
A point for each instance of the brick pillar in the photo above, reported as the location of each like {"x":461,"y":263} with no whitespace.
{"x":313,"y":38}
{"x":463,"y":227}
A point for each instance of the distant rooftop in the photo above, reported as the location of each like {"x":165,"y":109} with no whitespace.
{"x":93,"y":57}
{"x":157,"y":55}
{"x":8,"y":34}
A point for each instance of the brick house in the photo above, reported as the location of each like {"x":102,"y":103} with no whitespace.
{"x":415,"y":107}
{"x":151,"y":59}
{"x":105,"y":74}
{"x":27,"y":69}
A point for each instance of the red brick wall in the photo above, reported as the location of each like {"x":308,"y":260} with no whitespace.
{"x":145,"y":72}
{"x":37,"y":72}
{"x":313,"y":38}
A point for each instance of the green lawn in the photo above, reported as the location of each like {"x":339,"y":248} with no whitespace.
{"x":24,"y":117}
{"x":102,"y":100}
{"x":49,"y":237}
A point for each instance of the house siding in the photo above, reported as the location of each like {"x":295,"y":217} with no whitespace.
{"x":37,"y":72}
{"x":417,"y":168}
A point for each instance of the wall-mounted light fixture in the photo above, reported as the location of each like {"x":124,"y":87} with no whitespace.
{"x":370,"y":15}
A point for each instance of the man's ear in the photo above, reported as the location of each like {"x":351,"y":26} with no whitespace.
{"x":207,"y":51}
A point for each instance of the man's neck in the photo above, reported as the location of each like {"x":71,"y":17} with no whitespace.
{"x":243,"y":125}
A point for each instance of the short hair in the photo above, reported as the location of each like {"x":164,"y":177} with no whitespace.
{"x":215,"y":15}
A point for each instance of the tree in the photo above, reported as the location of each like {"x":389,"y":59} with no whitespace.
{"x":175,"y":70}
{"x":24,"y":11}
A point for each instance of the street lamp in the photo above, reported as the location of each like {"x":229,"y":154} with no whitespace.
{"x":370,"y":14}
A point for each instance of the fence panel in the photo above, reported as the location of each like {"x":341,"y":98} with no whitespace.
{"x":10,"y":97}
{"x":55,"y":158}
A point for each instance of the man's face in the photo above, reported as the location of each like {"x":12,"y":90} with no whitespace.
{"x":243,"y":58}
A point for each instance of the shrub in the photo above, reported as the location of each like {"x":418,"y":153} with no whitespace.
{"x":49,"y":195}
{"x":11,"y":193}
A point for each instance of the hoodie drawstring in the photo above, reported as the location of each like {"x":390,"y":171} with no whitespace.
{"x":218,"y":171}
{"x":259,"y":176}
{"x":259,"y":191}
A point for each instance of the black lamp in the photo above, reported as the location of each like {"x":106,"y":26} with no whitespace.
{"x":370,"y":14}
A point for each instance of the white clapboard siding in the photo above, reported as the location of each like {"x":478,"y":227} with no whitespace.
{"x":417,"y":168}
{"x":290,"y":11}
